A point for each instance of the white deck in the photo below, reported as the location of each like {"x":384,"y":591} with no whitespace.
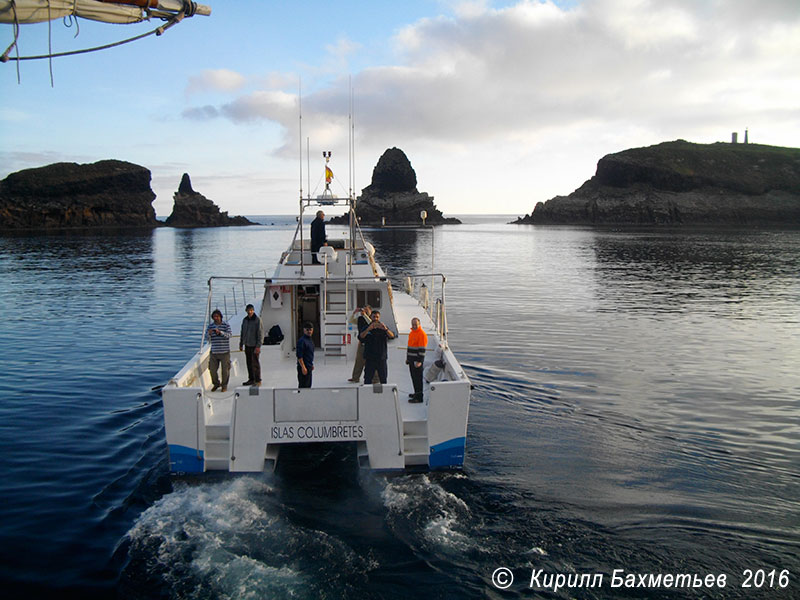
{"x":278,"y":369}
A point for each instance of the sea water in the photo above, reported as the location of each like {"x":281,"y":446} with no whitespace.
{"x":636,"y":411}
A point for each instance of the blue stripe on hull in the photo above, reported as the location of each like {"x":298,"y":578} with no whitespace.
{"x":185,"y":460}
{"x":447,"y":454}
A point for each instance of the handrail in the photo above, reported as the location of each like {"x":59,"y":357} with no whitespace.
{"x":324,"y":327}
{"x":443,"y":335}
{"x":241,"y":280}
{"x":205,"y":320}
{"x":203,"y":335}
{"x":197,"y":423}
{"x":399,"y":423}
{"x":233,"y":426}
{"x":346,"y":277}
{"x":436,"y":307}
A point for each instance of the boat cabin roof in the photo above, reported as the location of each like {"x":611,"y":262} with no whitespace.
{"x":338,"y":260}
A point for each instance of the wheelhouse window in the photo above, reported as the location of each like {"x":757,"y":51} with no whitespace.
{"x":371,"y":297}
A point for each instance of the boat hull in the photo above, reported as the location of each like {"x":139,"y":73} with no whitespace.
{"x":245,"y":434}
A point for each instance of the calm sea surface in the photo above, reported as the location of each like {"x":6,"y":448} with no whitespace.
{"x":636,"y":407}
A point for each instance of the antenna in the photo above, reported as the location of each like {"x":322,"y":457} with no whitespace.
{"x":352,"y":198}
{"x":300,"y":143}
{"x":300,"y":136}
{"x":308,"y":166}
{"x":349,"y":136}
{"x":352,"y":143}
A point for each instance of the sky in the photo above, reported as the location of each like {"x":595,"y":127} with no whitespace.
{"x":498,"y":105}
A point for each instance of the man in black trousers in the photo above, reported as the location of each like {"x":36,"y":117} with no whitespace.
{"x":305,"y":356}
{"x":318,"y":236}
{"x":375,"y":339}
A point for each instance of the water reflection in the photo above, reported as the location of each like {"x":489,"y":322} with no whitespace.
{"x":77,"y":252}
{"x":401,"y":251}
{"x":719,"y":273}
{"x":69,"y":280}
{"x":601,"y":420}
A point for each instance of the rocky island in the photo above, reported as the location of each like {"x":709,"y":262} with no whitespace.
{"x":681,"y":183}
{"x":108,"y":193}
{"x":192,"y":209}
{"x":392,"y":197}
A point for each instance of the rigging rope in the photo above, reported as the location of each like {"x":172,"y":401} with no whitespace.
{"x":188,"y":9}
{"x":49,"y":43}
{"x":4,"y":57}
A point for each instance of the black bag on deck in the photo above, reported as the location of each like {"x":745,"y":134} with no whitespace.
{"x":274,"y":336}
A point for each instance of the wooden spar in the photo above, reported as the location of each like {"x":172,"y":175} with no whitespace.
{"x":25,"y":12}
{"x":169,"y":5}
{"x":139,"y":3}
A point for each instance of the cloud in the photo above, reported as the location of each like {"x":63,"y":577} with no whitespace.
{"x":531,"y":72}
{"x":12,"y":115}
{"x":201,"y":113}
{"x":217,"y":80}
{"x":270,"y":105}
{"x":339,"y":53}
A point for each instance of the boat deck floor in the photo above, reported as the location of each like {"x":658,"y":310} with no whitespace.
{"x":278,"y":368}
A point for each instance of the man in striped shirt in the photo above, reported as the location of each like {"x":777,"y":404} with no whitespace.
{"x":219,"y":333}
{"x":415,"y":357}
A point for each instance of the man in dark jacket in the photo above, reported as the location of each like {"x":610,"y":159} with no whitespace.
{"x":251,"y":338}
{"x":318,"y":236}
{"x":376,"y":352}
{"x":305,"y":356}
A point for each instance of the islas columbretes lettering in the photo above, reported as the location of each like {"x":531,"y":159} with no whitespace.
{"x":317,"y":432}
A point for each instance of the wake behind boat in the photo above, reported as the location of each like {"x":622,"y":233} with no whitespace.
{"x":243,"y":428}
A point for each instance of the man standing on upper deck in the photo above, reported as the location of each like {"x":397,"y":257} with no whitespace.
{"x":376,"y":352}
{"x":415,"y":357}
{"x":318,"y":236}
{"x":305,"y":356}
{"x":251,"y":338}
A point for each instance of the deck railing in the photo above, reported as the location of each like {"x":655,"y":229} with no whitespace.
{"x":239,"y":294}
{"x":416,"y":286}
{"x":245,"y":290}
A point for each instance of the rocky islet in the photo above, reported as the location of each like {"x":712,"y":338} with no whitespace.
{"x":392,"y":197}
{"x":684,"y":184}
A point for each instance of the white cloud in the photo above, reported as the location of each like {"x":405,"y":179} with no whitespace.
{"x":271,"y":105}
{"x":341,"y":51}
{"x":13,"y":115}
{"x":217,"y":80}
{"x":521,"y":79}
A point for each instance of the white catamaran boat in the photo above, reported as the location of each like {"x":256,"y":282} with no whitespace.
{"x":243,"y":429}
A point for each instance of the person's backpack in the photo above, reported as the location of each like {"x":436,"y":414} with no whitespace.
{"x":274,"y":336}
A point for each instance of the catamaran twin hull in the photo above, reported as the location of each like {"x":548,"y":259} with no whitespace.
{"x":243,"y":428}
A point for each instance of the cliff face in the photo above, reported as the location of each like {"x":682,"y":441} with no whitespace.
{"x":192,"y":209}
{"x":393,"y":195}
{"x":108,"y":193}
{"x":679,"y":183}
